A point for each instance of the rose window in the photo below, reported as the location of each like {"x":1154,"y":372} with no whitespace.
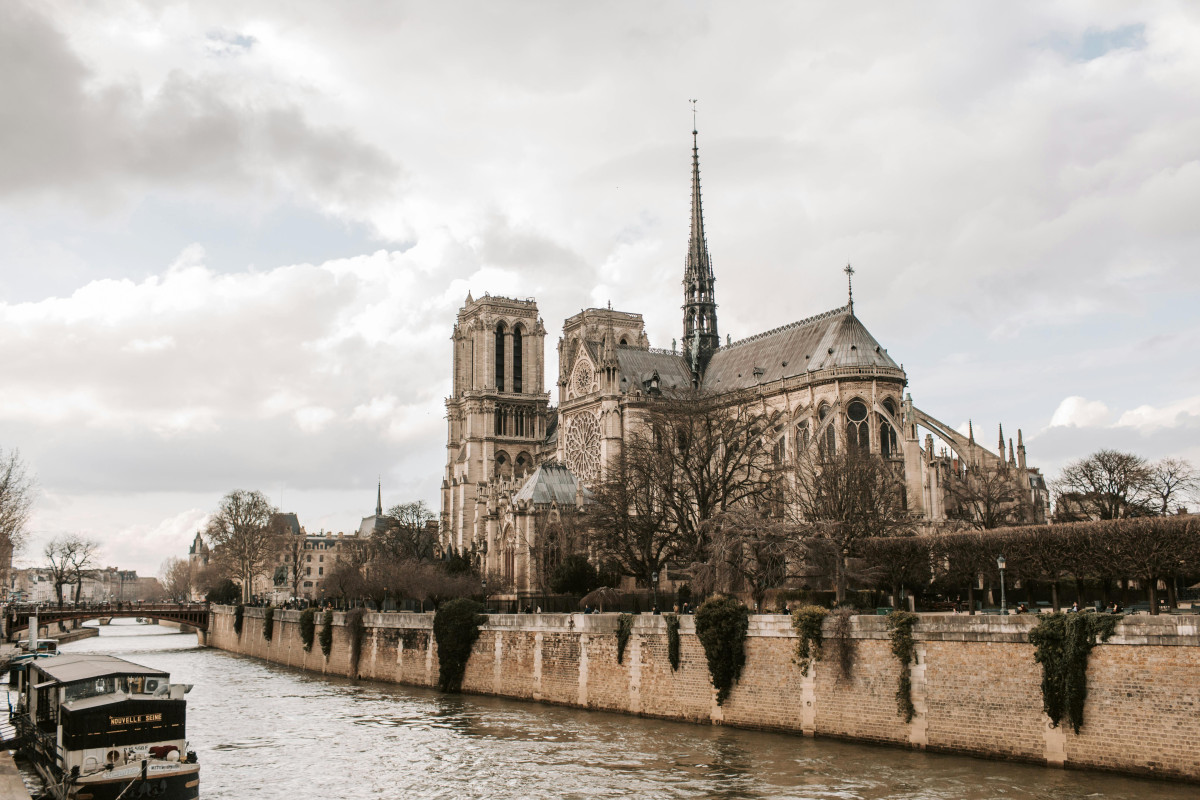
{"x":583,"y":447}
{"x":583,"y":377}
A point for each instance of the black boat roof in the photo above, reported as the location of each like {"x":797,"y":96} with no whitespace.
{"x":72,"y":668}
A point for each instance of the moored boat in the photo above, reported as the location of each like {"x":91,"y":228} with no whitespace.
{"x":97,"y":727}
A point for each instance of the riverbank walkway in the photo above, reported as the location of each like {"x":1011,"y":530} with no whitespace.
{"x":11,"y":785}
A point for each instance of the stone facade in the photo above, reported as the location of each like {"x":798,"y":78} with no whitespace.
{"x":976,"y":687}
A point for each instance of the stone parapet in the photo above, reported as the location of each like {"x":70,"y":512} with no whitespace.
{"x":976,"y":687}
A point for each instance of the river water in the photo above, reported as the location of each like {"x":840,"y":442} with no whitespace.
{"x":270,"y":732}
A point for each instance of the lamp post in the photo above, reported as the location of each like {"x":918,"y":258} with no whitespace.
{"x":1003,"y":604}
{"x":654,"y":584}
{"x":485,"y":595}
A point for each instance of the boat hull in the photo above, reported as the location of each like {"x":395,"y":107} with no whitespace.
{"x":180,"y":784}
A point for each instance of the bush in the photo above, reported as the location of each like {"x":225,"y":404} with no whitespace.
{"x":357,"y":630}
{"x":224,"y":593}
{"x":807,"y":620}
{"x":269,"y":623}
{"x":239,"y":616}
{"x":721,"y":625}
{"x":308,"y":628}
{"x":672,"y":640}
{"x":683,"y":594}
{"x":1063,"y":643}
{"x":903,"y":648}
{"x":575,"y":575}
{"x":455,"y":628}
{"x":624,"y":628}
{"x":327,"y":634}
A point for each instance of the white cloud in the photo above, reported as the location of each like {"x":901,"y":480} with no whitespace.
{"x":1079,"y":412}
{"x":1184,"y":413}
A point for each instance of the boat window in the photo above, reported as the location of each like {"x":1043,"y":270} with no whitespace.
{"x":94,"y":688}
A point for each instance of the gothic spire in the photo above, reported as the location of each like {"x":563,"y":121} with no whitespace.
{"x":379,"y":499}
{"x":700,"y":336}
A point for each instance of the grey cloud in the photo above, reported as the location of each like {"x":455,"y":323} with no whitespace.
{"x":63,"y":133}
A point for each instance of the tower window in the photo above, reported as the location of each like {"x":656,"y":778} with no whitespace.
{"x":500,"y":331}
{"x":516,"y":359}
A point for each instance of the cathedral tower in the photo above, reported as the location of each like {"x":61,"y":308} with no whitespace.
{"x":700,"y":336}
{"x":497,"y":411}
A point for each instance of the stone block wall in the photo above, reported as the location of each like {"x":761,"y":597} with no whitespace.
{"x":976,"y":687}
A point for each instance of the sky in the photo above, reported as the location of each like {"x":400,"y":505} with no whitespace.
{"x":234,"y":235}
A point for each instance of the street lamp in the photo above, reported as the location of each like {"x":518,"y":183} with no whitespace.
{"x":1003,"y":604}
{"x":485,"y":595}
{"x":654,"y":584}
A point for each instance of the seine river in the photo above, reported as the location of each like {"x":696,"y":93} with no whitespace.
{"x":269,"y":732}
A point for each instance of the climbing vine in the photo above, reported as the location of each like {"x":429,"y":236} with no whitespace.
{"x":721,"y":625}
{"x":356,"y":629}
{"x":1062,"y":645}
{"x":269,"y":623}
{"x":624,"y":628}
{"x":807,"y":620}
{"x":904,"y":649}
{"x":327,"y":634}
{"x":239,"y":616}
{"x":308,"y":628}
{"x":843,"y":645}
{"x":672,"y":640}
{"x":455,"y":627}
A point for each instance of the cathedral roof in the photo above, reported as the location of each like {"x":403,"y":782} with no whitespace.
{"x":835,"y":339}
{"x":637,"y":366}
{"x":549,"y":483}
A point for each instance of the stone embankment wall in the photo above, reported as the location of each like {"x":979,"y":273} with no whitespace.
{"x":975,"y":686}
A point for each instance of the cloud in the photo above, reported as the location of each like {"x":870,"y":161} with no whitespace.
{"x":1079,"y":412}
{"x":1181,"y":414}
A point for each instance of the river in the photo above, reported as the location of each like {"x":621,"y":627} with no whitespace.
{"x":266,"y":732}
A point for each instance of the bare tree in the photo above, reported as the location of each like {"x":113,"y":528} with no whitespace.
{"x":175,"y":575}
{"x":1173,"y":481}
{"x":406,"y":535}
{"x":1108,"y":484}
{"x":68,"y":558}
{"x":752,"y":551}
{"x":243,"y":537}
{"x":897,"y":563}
{"x":845,"y":497}
{"x":632,"y":524}
{"x":17,"y":489}
{"x":989,"y":498}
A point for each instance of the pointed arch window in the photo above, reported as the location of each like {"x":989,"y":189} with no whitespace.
{"x":887,"y":434}
{"x":516,"y":359}
{"x":857,"y":433}
{"x":829,"y":437}
{"x":500,"y":333}
{"x":801,"y":438}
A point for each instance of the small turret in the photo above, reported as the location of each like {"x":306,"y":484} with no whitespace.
{"x":1012,"y":461}
{"x":1020,"y":450}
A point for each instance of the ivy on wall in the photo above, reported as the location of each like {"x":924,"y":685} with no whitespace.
{"x":327,"y":634}
{"x":308,"y":628}
{"x":721,"y":626}
{"x":1062,"y":645}
{"x":624,"y":629}
{"x":672,"y":621}
{"x":269,"y":623}
{"x":356,"y":629}
{"x":239,"y":616}
{"x":904,"y":649}
{"x":807,"y":621}
{"x":843,"y":645}
{"x":455,"y":628}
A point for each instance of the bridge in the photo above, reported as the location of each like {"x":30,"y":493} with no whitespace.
{"x":16,"y":617}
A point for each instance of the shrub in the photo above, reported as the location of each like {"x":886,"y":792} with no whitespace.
{"x":224,"y":593}
{"x":672,"y":639}
{"x":721,"y":625}
{"x":575,"y":575}
{"x":807,"y":620}
{"x":903,"y":648}
{"x":1063,"y":643}
{"x":624,"y":628}
{"x":269,"y":623}
{"x":308,"y":628}
{"x":455,"y":627}
{"x":327,"y":634}
{"x":356,"y":629}
{"x":239,"y":616}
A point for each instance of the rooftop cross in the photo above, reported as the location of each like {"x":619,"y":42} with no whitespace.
{"x":849,"y":270}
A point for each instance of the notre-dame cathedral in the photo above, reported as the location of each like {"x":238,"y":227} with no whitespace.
{"x":514,"y":462}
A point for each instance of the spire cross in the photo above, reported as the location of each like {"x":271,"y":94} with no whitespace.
{"x":693,"y":102}
{"x":849,"y":270}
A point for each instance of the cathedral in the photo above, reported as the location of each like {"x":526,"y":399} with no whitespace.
{"x":515,"y":465}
